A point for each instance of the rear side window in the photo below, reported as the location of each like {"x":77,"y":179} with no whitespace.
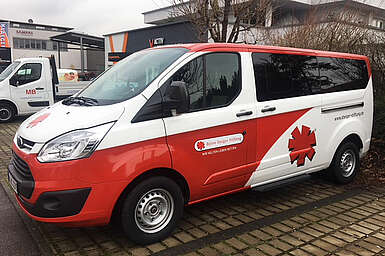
{"x":279,"y":76}
{"x":342,"y":74}
{"x":283,"y":76}
{"x":212,"y":80}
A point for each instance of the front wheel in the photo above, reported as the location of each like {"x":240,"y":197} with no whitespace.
{"x":6,"y":113}
{"x":152,"y":209}
{"x":346,"y":163}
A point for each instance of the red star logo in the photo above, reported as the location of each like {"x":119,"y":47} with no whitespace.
{"x":301,"y":145}
{"x":37,"y":120}
{"x":200,"y":145}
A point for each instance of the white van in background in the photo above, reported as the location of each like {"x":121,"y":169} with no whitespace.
{"x":31,"y":84}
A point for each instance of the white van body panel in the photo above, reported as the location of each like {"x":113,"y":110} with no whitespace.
{"x":124,"y":132}
{"x":5,"y":93}
{"x":63,"y":118}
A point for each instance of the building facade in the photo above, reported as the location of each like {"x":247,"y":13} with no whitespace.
{"x":281,"y":15}
{"x":287,"y":13}
{"x":120,"y":44}
{"x":28,"y":40}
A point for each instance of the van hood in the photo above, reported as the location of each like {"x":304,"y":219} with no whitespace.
{"x":59,"y":119}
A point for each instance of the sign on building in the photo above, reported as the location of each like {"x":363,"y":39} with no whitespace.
{"x":4,"y":41}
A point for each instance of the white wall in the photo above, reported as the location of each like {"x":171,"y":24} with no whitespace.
{"x":69,"y":59}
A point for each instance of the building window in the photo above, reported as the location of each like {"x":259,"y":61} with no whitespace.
{"x":27,"y":43}
{"x":379,"y":23}
{"x":63,"y":47}
{"x":33,"y":44}
{"x":38,"y":44}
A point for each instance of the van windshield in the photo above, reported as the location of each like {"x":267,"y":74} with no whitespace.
{"x":9,"y":70}
{"x":130,"y":76}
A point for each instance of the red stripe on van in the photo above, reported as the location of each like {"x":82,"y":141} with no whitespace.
{"x":228,"y":170}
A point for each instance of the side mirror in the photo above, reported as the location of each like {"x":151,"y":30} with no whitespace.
{"x":14,"y":81}
{"x":176,"y":98}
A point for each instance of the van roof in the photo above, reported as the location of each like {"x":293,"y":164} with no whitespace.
{"x":31,"y":59}
{"x":199,"y":47}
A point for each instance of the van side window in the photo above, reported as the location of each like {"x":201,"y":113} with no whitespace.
{"x":279,"y":76}
{"x":212,"y":80}
{"x":338,"y":74}
{"x":28,"y":73}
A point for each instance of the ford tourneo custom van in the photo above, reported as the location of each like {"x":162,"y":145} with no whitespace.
{"x":176,"y":125}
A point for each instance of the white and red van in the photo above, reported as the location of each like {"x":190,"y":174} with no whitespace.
{"x":177,"y":125}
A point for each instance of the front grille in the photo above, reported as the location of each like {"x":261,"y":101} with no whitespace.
{"x":24,"y":143}
{"x":20,"y":166}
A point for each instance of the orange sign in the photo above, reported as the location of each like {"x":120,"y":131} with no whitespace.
{"x":4,"y":41}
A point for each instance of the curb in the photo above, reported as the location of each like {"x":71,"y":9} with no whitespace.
{"x":30,"y":224}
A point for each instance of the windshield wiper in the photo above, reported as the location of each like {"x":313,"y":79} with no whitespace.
{"x":81,"y":101}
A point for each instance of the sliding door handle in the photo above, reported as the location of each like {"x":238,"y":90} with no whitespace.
{"x":39,"y":88}
{"x":267,"y":109}
{"x":246,"y":113}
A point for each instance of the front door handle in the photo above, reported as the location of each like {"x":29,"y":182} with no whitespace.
{"x":246,"y":113}
{"x":267,"y":109}
{"x":39,"y":88}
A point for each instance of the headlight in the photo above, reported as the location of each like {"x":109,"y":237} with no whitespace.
{"x":73,"y":145}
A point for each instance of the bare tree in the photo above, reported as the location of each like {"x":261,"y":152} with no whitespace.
{"x":222,"y":20}
{"x":342,"y":30}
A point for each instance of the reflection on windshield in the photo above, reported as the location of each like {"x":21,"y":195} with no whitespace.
{"x":9,"y":70}
{"x":131,"y":76}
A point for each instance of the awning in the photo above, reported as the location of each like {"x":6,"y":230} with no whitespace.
{"x":80,"y":39}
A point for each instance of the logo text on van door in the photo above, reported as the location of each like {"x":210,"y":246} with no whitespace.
{"x":301,"y":145}
{"x":30,"y":91}
{"x":218,"y":142}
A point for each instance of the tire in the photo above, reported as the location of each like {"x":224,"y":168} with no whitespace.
{"x":345,"y":164}
{"x":7,"y":113}
{"x":157,"y":198}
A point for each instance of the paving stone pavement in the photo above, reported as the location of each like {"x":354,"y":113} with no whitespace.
{"x":315,"y":217}
{"x":14,"y":238}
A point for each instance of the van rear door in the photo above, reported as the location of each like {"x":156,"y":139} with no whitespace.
{"x":347,"y":106}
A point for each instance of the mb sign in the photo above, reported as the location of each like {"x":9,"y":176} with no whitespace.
{"x":4,"y":42}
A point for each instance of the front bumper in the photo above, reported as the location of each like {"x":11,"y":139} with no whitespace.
{"x":56,"y":204}
{"x":66,"y":193}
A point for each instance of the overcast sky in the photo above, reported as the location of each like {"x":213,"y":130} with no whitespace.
{"x":95,"y":17}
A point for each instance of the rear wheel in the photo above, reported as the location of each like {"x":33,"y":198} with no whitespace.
{"x":7,"y":113}
{"x":152,"y":209}
{"x":346,"y":163}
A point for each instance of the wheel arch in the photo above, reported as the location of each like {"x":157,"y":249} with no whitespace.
{"x":11,"y":103}
{"x":166,"y":172}
{"x":353,"y":137}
